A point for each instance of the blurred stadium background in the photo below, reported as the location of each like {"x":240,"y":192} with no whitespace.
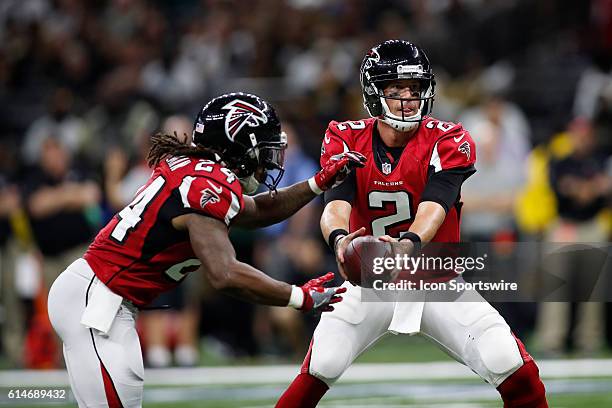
{"x":84,"y":84}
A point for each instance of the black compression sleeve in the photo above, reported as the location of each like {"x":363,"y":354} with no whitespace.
{"x":345,"y":191}
{"x":444,"y":186}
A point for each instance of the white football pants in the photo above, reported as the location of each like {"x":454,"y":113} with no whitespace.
{"x":473,"y":333}
{"x":104,"y":370}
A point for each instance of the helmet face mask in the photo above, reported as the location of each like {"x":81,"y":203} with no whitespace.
{"x":273,"y":158}
{"x":396,"y":60}
{"x":245,"y":132}
{"x":263,"y":163}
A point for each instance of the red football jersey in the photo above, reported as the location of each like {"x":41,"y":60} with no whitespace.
{"x":139,"y":254}
{"x":386,"y":200}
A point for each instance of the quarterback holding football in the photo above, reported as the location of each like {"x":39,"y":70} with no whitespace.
{"x":409,"y":191}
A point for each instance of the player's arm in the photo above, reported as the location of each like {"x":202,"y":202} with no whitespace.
{"x":336,"y":214}
{"x":451,"y":164}
{"x":335,"y":220}
{"x":211,"y":244}
{"x":267,"y":209}
{"x":440,"y":195}
{"x":429,"y":217}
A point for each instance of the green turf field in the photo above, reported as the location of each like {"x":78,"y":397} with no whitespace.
{"x":462,"y":391}
{"x":460,"y":400}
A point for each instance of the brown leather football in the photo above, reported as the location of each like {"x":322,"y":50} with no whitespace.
{"x":359,"y":257}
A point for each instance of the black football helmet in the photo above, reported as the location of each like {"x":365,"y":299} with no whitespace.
{"x":396,"y":60}
{"x":245,"y":132}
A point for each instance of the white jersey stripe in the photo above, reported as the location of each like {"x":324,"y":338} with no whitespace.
{"x":184,"y":190}
{"x":233,"y":210}
{"x":435,"y":159}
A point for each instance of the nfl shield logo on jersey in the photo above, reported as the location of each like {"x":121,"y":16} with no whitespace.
{"x":386,"y":168}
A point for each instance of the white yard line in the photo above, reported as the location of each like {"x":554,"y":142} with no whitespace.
{"x":283,"y":374}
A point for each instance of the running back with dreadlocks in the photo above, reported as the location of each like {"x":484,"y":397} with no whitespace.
{"x":163,"y":145}
{"x":178,"y":223}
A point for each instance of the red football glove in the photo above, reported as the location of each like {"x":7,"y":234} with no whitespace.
{"x":335,"y":170}
{"x":319,"y":298}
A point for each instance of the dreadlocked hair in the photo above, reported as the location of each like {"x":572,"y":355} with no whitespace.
{"x":163,"y":145}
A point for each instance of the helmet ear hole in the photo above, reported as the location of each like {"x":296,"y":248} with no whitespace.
{"x":377,"y":109}
{"x":373,"y":106}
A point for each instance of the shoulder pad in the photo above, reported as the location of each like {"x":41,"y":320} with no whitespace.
{"x":208,"y":196}
{"x":453,"y":149}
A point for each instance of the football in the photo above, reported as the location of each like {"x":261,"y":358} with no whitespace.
{"x":359,"y":257}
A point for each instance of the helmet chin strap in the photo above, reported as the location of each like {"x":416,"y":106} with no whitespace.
{"x":397,"y":122}
{"x":249,"y":184}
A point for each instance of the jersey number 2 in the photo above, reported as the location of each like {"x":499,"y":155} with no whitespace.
{"x":130,"y":216}
{"x":377,"y":200}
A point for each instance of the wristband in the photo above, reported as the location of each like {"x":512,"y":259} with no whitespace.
{"x":416,"y":240}
{"x":312,"y":183}
{"x":331,"y":241}
{"x":296,"y":300}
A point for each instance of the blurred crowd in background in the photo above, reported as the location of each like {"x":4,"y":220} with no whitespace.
{"x":83,"y":86}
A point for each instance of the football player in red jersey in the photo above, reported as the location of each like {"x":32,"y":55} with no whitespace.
{"x":408,"y":191}
{"x":178,"y":222}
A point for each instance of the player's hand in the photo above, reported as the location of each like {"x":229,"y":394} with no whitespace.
{"x":319,"y":298}
{"x":341,"y":246}
{"x":335,"y":170}
{"x":402,"y":247}
{"x":397,"y":247}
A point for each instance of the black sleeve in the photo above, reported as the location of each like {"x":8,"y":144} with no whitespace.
{"x":345,"y":191}
{"x":444,"y":186}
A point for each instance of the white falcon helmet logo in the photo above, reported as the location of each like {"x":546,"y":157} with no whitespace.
{"x":241,"y":113}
